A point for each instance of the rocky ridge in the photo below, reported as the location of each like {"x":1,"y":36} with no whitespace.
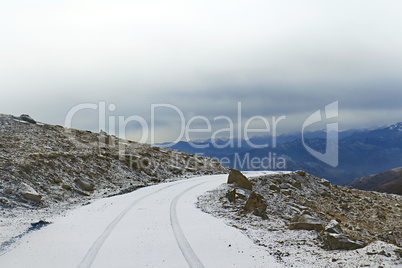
{"x":306,"y":221}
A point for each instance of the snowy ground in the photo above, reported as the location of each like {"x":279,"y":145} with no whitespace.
{"x":157,"y":226}
{"x":160,"y":226}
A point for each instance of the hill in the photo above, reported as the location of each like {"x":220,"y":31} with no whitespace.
{"x":46,"y":168}
{"x":389,"y":181}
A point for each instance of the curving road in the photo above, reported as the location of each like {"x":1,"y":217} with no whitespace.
{"x":157,"y":226}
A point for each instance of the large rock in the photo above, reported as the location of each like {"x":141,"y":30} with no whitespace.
{"x":340,"y":241}
{"x":237,"y":177}
{"x":255,"y":203}
{"x":27,"y":118}
{"x":333,"y":227}
{"x":307,"y":222}
{"x":85,"y":185}
{"x":29,"y":193}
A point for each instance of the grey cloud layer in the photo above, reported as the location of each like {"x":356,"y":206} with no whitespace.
{"x":276,"y":57}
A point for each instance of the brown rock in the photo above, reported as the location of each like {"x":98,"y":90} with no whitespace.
{"x":307,"y":222}
{"x":274,"y":187}
{"x":255,"y":204}
{"x":296,"y":184}
{"x":237,"y":177}
{"x":66,"y":186}
{"x":32,"y":196}
{"x":231,"y":196}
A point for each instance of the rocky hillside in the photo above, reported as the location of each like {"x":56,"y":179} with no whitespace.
{"x":389,"y":181}
{"x":306,"y":221}
{"x":43,"y":165}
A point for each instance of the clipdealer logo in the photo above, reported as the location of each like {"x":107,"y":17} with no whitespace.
{"x":331,"y":155}
{"x":238,"y":130}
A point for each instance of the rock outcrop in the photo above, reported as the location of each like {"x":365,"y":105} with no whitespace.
{"x":237,"y":177}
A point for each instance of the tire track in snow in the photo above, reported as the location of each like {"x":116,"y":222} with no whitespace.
{"x":184,"y":246}
{"x":93,"y":251}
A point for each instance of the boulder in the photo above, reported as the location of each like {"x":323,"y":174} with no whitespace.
{"x":301,"y":172}
{"x":32,"y":196}
{"x":237,"y":177}
{"x":274,"y":187}
{"x":261,"y":213}
{"x":85,"y":185}
{"x":27,"y":118}
{"x":29,"y":193}
{"x":256,"y":204}
{"x":231,"y":196}
{"x":307,"y":222}
{"x":333,"y":227}
{"x":340,"y":241}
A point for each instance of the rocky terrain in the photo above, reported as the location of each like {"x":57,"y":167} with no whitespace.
{"x":46,"y":168}
{"x":389,"y":181}
{"x":306,"y":221}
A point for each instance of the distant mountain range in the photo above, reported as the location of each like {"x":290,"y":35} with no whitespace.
{"x":361,"y":152}
{"x":208,"y":147}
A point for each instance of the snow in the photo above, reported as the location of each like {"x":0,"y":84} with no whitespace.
{"x":135,"y":230}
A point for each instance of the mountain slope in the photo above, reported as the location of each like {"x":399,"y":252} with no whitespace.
{"x":46,"y":168}
{"x":389,"y":181}
{"x":42,"y":165}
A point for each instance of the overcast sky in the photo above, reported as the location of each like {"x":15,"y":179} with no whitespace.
{"x":278,"y":58}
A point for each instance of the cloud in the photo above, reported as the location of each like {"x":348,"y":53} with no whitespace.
{"x":276,"y":57}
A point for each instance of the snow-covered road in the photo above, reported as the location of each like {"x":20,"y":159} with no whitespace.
{"x":157,"y":226}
